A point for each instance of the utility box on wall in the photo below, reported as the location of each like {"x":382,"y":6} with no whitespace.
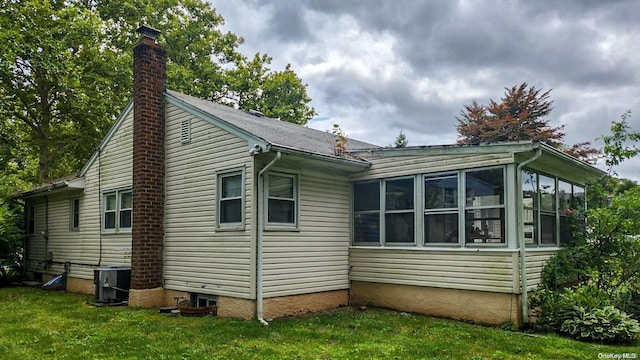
{"x":112,"y":283}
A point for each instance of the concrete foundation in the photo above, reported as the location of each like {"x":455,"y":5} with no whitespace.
{"x":147,"y":297}
{"x":305,"y":303}
{"x":477,"y":306}
{"x":230,"y":307}
{"x":81,"y":286}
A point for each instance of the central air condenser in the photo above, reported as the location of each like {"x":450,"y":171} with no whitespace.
{"x":112,"y":283}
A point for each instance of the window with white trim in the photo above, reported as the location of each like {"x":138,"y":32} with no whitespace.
{"x":399,"y":218}
{"x":117,"y":211}
{"x":74,"y":215}
{"x":366,"y":212}
{"x":231,"y":199}
{"x":548,"y":202}
{"x":441,"y":209}
{"x":485,"y":206}
{"x":282,"y":198}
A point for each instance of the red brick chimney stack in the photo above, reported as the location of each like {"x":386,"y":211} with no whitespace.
{"x":149,"y":73}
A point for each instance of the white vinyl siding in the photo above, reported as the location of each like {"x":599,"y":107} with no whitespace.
{"x":316,"y":257}
{"x":394,"y":166}
{"x":469,"y":270}
{"x":536,"y":261}
{"x":199,"y":256}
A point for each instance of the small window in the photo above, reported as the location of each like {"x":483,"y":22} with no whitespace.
{"x":31,"y":219}
{"x":118,"y":209}
{"x":74,"y":223}
{"x":281,"y":199}
{"x":230,"y":199}
{"x":206,"y":300}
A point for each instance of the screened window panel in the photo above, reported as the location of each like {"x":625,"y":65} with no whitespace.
{"x":547,"y":190}
{"x":231,"y":186}
{"x":441,"y":192}
{"x":110,"y":201}
{"x":281,"y":187}
{"x":231,"y":211}
{"x":485,"y":187}
{"x":485,"y":226}
{"x":399,"y":228}
{"x":281,"y":211}
{"x":367,"y":228}
{"x":441,"y":228}
{"x":366,"y":196}
{"x":399,"y":194}
{"x":110,"y":220}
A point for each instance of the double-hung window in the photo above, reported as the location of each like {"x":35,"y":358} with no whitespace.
{"x":231,"y":199}
{"x":366,"y":212}
{"x":547,"y":188}
{"x":485,"y":206}
{"x":399,"y":218}
{"x":441,"y":209}
{"x":282,"y":198}
{"x":118,"y":209}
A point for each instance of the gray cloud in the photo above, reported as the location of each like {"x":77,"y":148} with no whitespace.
{"x":378,"y":67}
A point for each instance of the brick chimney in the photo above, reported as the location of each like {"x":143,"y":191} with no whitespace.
{"x":149,"y":73}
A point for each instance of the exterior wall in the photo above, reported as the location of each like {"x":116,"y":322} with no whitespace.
{"x":316,"y":257}
{"x":82,"y":247}
{"x":384,"y":167}
{"x":198,"y":257}
{"x":478,"y":269}
{"x":478,"y":306}
{"x":536,"y":259}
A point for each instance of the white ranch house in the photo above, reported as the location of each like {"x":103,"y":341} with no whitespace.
{"x":261,"y":216}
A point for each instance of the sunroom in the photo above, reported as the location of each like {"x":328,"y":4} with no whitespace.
{"x":435,"y":226}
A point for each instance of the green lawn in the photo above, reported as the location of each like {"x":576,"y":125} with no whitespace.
{"x":35,"y":324}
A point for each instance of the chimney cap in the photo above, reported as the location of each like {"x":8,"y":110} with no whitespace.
{"x":148,"y":31}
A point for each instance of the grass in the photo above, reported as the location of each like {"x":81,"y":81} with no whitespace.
{"x":36,"y":324}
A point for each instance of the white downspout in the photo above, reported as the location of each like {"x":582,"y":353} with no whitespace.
{"x":521,"y":242}
{"x":260,"y":225}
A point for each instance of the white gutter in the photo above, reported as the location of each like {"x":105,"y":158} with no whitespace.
{"x":260,"y":225}
{"x":521,"y":242}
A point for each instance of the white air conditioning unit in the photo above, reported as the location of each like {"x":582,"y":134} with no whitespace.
{"x":112,"y":283}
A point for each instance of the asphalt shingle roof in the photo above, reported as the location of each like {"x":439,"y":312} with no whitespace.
{"x":273,"y":131}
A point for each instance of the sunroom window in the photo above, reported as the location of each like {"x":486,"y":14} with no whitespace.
{"x":366,"y":207}
{"x":548,"y":204}
{"x":441,"y":209}
{"x":484,"y":206}
{"x":399,"y":213}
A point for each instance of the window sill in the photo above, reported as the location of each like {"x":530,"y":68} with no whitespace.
{"x":273,"y":228}
{"x":230,"y":228}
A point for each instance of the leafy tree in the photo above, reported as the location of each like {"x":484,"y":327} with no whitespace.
{"x":520,"y":115}
{"x":65,"y":73}
{"x":401,"y":140}
{"x":58,"y":88}
{"x":616,"y":145}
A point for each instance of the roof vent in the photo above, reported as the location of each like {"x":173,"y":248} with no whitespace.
{"x":256,"y":113}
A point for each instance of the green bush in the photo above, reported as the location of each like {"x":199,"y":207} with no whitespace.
{"x":607,"y":324}
{"x":553,"y":307}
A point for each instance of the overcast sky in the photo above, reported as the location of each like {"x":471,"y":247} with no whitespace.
{"x":379,"y":67}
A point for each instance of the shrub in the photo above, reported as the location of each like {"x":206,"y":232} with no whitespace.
{"x":607,"y":324}
{"x":553,"y":307}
